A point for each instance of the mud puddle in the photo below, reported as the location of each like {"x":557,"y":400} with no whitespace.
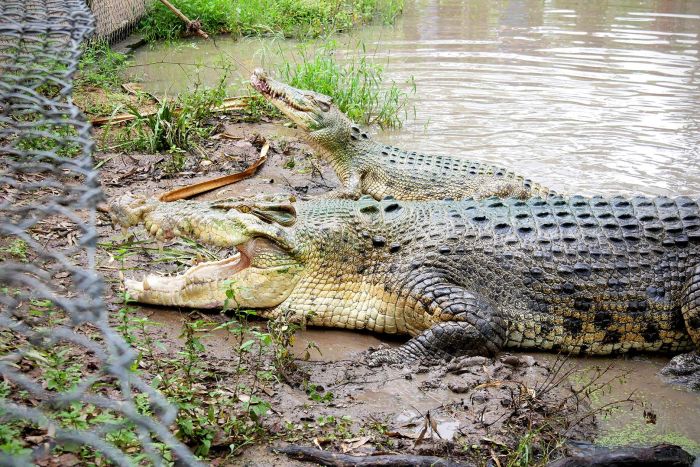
{"x":642,"y":406}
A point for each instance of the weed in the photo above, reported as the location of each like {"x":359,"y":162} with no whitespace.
{"x":356,"y":85}
{"x":59,"y":138}
{"x":317,"y":393}
{"x":11,"y":439}
{"x":258,"y":107}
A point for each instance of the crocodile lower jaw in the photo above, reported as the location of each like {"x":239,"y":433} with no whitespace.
{"x":202,"y":286}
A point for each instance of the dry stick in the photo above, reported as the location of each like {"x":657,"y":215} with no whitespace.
{"x":214,"y":183}
{"x":335,"y":459}
{"x":191,"y":25}
{"x":595,"y":456}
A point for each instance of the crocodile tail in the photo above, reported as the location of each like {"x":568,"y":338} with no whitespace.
{"x":691,"y":306}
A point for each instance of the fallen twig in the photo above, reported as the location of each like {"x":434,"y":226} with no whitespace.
{"x":214,"y":183}
{"x":319,"y":456}
{"x":597,"y":456}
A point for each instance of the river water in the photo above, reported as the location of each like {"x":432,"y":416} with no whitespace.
{"x":585,"y":97}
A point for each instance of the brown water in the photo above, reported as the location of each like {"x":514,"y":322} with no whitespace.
{"x":586,"y":97}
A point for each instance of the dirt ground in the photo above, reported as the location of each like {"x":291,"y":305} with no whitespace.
{"x":476,"y":409}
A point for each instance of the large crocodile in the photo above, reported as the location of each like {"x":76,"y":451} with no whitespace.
{"x":581,"y":275}
{"x":365,"y":166}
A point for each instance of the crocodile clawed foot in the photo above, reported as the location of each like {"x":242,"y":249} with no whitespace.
{"x":684,"y":369}
{"x":384,"y":354}
{"x":130,"y":209}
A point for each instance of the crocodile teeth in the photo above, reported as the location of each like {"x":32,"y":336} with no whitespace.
{"x":145,"y":284}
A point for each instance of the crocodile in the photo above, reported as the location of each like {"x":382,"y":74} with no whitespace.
{"x":366,"y":166}
{"x":578,"y":275}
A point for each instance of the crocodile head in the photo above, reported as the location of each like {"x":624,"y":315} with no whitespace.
{"x":319,"y":261}
{"x":314,"y":112}
{"x":260,"y":274}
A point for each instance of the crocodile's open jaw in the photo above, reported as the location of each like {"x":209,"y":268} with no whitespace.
{"x":261,"y":274}
{"x":305,"y":108}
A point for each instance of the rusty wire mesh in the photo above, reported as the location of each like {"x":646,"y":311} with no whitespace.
{"x":116,"y":19}
{"x":51,"y":299}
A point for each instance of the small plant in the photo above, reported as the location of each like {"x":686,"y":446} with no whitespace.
{"x":318,"y":394}
{"x":11,"y":439}
{"x":60,"y":373}
{"x":17,"y":248}
{"x":194,"y":349}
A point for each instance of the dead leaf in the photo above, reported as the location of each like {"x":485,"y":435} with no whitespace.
{"x":354,"y":443}
{"x":214,"y":183}
{"x":433,"y":426}
{"x":421,"y":436}
{"x":68,"y":460}
{"x":495,"y":458}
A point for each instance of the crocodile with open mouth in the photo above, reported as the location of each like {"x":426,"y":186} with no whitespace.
{"x":365,"y":166}
{"x":580,"y":275}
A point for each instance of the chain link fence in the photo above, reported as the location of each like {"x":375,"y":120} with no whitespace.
{"x":116,"y":19}
{"x":57,"y":350}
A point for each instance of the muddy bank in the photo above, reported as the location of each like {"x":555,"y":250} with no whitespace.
{"x":333,"y":399}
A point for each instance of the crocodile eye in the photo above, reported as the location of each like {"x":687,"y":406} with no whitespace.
{"x":244,"y":209}
{"x":324,"y":106}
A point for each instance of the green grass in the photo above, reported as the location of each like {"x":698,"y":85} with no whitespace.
{"x":100,"y":66}
{"x":17,"y":249}
{"x":356,"y":85}
{"x":290,"y":18}
{"x":640,"y":433}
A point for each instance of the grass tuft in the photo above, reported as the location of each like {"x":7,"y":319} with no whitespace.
{"x":356,"y":85}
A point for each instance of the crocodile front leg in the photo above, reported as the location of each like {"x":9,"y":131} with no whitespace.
{"x":350,"y":189}
{"x":469,"y":326}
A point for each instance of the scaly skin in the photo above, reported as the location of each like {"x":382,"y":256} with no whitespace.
{"x":581,"y":275}
{"x":365,"y":166}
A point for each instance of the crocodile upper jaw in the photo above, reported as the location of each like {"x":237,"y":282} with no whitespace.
{"x":297,"y":106}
